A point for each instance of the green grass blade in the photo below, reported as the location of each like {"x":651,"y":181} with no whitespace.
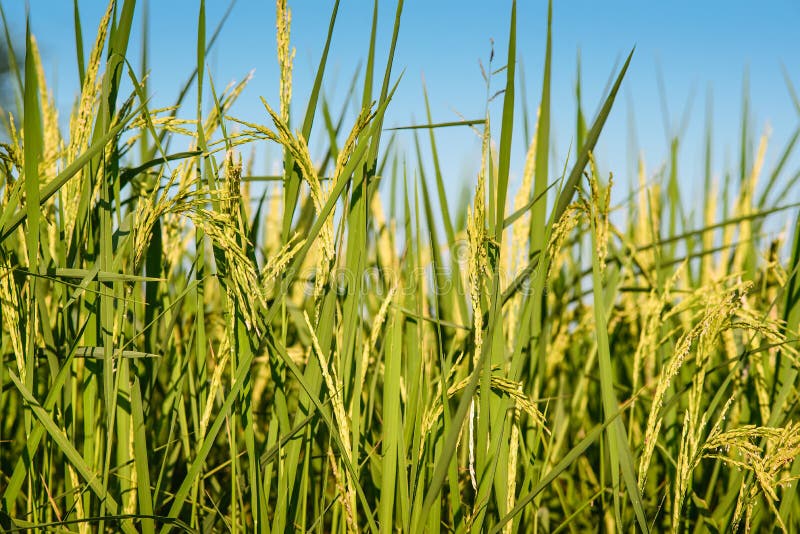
{"x":507,"y":126}
{"x":434,"y":125}
{"x":568,"y":191}
{"x":33,"y":151}
{"x":76,"y":17}
{"x":141,"y":454}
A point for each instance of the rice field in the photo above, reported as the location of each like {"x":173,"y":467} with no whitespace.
{"x":187,"y":346}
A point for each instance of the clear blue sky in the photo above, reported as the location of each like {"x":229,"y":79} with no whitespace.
{"x":698,"y":46}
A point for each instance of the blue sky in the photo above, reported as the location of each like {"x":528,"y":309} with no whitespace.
{"x":697,"y":46}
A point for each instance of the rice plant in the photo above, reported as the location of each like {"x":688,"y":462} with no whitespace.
{"x":188,"y":348}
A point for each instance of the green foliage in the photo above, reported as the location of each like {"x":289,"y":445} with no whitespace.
{"x":182,"y":351}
